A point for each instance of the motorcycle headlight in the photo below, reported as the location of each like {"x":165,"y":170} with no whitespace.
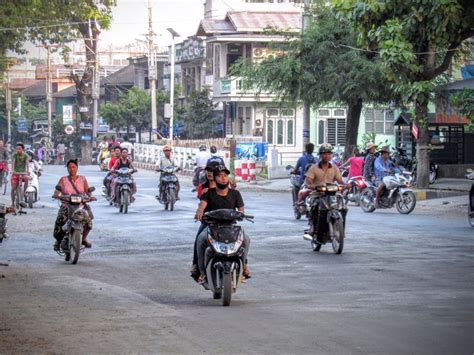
{"x":76,"y":199}
{"x":226,"y":248}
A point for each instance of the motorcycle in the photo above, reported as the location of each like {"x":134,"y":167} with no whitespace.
{"x":224,"y":258}
{"x":32,"y":190}
{"x":123,"y":196}
{"x":397,"y":192}
{"x":78,"y":218}
{"x":169,"y":187}
{"x":3,"y":223}
{"x":470,"y":206}
{"x":3,"y":176}
{"x":107,"y":187}
{"x":299,"y":207}
{"x":103,"y":159}
{"x":357,"y":184}
{"x":327,"y":201}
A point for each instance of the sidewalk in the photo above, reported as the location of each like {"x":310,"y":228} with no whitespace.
{"x":442,"y":188}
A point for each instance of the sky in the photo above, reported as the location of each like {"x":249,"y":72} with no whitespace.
{"x":130,"y":20}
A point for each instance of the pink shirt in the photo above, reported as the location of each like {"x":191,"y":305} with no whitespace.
{"x":67,"y":188}
{"x":355,"y":166}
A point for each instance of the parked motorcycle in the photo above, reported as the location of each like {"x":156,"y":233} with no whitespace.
{"x":397,"y":192}
{"x":329,"y":211}
{"x":357,"y":184}
{"x":224,"y":258}
{"x":32,"y":190}
{"x":123,"y":196}
{"x":78,"y":218}
{"x":169,"y":187}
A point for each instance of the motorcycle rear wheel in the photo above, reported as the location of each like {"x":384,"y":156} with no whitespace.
{"x":75,"y":246}
{"x":338,"y":236}
{"x":226,"y":289}
{"x":406,"y":202}
{"x":366,"y":200}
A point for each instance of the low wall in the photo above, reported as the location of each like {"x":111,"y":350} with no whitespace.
{"x":453,"y":170}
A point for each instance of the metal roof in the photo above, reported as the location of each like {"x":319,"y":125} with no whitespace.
{"x":249,"y":21}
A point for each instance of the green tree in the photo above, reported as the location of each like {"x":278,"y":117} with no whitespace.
{"x":320,"y":68}
{"x":417,"y":41}
{"x":199,"y":121}
{"x":463,"y":102}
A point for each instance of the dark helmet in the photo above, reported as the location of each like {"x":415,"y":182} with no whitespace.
{"x":30,"y":153}
{"x":325,"y":148}
{"x":202,"y":147}
{"x":213,"y":149}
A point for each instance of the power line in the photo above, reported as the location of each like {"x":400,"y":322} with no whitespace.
{"x":378,"y":52}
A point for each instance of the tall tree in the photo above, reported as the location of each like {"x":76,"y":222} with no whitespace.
{"x":320,"y":68}
{"x":199,"y":120}
{"x":60,"y":22}
{"x":417,"y":41}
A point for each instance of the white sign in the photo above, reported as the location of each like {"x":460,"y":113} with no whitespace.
{"x":167,"y":112}
{"x":83,"y":109}
{"x":67,"y":115}
{"x":69,"y":129}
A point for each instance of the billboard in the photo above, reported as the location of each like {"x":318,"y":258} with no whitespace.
{"x":254,"y":151}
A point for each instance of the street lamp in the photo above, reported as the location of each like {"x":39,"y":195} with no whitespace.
{"x":173,"y":35}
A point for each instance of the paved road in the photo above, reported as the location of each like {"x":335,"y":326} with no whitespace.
{"x":404,"y":284}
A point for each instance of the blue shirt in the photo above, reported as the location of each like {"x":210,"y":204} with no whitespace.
{"x":380,"y":166}
{"x":302,"y":162}
{"x":215,"y":158}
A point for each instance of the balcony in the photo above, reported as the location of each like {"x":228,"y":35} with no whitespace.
{"x":231,"y":88}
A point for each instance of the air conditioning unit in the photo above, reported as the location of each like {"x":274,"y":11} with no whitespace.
{"x":259,"y":53}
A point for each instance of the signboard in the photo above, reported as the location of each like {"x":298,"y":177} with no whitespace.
{"x":255,"y":151}
{"x":225,"y":86}
{"x":86,"y":138}
{"x":415,"y":131}
{"x":69,"y":129}
{"x":167,"y":113}
{"x":85,"y":125}
{"x":22,"y":125}
{"x":83,"y":109}
{"x":67,"y":115}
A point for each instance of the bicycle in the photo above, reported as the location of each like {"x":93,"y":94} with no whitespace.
{"x":19,"y":197}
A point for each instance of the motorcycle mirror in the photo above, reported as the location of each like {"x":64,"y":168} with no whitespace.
{"x":91,"y":189}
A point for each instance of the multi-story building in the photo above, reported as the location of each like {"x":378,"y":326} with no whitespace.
{"x":240,"y":34}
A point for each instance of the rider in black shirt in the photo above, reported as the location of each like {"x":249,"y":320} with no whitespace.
{"x":217,"y":198}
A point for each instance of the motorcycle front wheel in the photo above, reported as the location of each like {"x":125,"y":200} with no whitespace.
{"x":171,"y":198}
{"x":75,"y":246}
{"x":406,"y":202}
{"x":30,"y":199}
{"x":226,"y":289}
{"x":366,"y":200}
{"x":337,"y":237}
{"x":124,"y":201}
{"x":297,"y":212}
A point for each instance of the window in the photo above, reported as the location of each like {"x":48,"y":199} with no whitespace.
{"x":270,"y":131}
{"x":324,"y":113}
{"x":217,"y":62}
{"x":290,"y":132}
{"x":378,"y":121}
{"x":336,"y":131}
{"x":340,"y":113}
{"x":280,"y":132}
{"x":280,"y":128}
{"x":320,"y":132}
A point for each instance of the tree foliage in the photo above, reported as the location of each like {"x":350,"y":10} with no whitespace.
{"x":319,"y":68}
{"x":199,"y":121}
{"x":463,"y":102}
{"x":417,"y":42}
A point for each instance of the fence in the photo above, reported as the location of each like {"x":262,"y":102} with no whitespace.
{"x":148,"y":154}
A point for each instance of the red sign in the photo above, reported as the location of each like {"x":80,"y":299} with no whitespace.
{"x":415,"y":131}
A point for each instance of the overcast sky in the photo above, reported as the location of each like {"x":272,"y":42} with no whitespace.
{"x":130,"y":20}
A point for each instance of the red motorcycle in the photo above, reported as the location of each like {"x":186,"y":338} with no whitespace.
{"x":357,"y":184}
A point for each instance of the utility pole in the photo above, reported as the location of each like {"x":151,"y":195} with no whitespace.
{"x":8,"y":105}
{"x":152,"y":74}
{"x":95,"y":96}
{"x":173,"y":34}
{"x":49,"y":90}
{"x":306,"y":105}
